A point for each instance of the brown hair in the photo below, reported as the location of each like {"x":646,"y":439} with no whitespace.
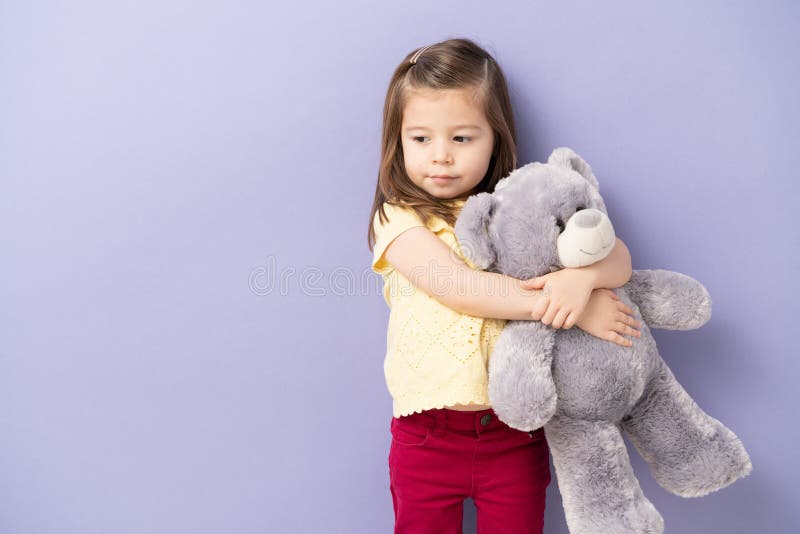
{"x":451,"y":64}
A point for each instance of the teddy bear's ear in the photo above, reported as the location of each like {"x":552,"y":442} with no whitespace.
{"x":566,"y":157}
{"x":472,"y":232}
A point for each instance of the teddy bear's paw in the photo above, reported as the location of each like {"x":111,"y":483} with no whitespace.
{"x":538,"y":413}
{"x":528,"y":411}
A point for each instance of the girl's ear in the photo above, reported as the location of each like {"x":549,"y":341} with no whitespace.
{"x":566,"y":157}
{"x":472,"y":230}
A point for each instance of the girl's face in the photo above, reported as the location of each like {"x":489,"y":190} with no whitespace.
{"x":447,"y":141}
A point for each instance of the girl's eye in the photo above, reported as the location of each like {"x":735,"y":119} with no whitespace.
{"x":456,"y":137}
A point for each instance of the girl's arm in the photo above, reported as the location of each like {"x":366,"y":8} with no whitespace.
{"x":567,"y":292}
{"x":429,"y":264}
{"x":612,"y":271}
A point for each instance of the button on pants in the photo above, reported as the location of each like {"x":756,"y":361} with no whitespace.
{"x":440,"y":457}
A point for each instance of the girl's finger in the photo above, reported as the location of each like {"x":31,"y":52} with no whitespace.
{"x":534,"y":283}
{"x":622,"y":328}
{"x":540,"y":308}
{"x":570,"y":322}
{"x":561,"y":316}
{"x":619,"y":340}
{"x":632,"y":332}
{"x":624,"y":307}
{"x":550,"y":314}
{"x":627,"y":319}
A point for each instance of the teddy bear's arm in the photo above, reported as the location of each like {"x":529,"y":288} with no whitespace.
{"x":521,"y":387}
{"x":668,"y":299}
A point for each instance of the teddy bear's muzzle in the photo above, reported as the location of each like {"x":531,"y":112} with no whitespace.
{"x":588,"y":237}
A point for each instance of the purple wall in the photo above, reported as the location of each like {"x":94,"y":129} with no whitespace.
{"x":162,"y":165}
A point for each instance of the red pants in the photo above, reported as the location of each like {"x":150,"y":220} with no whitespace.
{"x":440,"y":457}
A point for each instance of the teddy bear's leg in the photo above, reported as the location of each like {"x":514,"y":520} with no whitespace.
{"x":599,"y":491}
{"x":690,"y":453}
{"x":521,"y":387}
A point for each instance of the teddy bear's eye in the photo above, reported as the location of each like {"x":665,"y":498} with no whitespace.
{"x":579,"y":208}
{"x":560,"y":225}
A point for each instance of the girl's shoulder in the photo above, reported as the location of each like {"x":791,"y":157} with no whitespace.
{"x":398,"y":214}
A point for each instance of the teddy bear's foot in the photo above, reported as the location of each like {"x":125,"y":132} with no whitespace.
{"x":689,"y":452}
{"x":642,"y":518}
{"x":638,"y":516}
{"x":708,"y":466}
{"x":598,"y":488}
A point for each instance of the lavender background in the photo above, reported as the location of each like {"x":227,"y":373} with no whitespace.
{"x":163,"y":164}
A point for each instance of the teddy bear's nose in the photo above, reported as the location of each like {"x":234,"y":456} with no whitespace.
{"x":587,"y":218}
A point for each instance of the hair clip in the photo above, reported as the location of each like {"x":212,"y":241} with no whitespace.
{"x":419,"y":53}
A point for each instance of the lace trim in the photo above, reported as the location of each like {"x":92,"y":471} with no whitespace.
{"x":462,"y":394}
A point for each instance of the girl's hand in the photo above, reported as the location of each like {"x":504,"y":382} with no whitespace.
{"x":565,"y":294}
{"x":608,"y":318}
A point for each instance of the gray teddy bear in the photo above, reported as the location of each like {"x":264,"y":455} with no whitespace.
{"x":585,"y":390}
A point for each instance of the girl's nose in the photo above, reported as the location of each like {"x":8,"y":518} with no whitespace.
{"x":442,"y":156}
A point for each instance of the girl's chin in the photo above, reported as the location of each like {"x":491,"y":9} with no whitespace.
{"x":447,"y":196}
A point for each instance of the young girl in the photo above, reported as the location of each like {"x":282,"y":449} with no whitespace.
{"x":448,"y":133}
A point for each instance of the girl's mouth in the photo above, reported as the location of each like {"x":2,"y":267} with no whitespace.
{"x":443,"y":178}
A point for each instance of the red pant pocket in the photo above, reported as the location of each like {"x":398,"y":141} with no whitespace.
{"x":407,"y":434}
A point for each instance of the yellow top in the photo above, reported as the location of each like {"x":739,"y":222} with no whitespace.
{"x":435,"y":356}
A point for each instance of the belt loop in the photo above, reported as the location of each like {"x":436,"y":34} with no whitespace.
{"x":441,"y":422}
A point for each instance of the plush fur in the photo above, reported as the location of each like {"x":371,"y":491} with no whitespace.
{"x":585,"y":390}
